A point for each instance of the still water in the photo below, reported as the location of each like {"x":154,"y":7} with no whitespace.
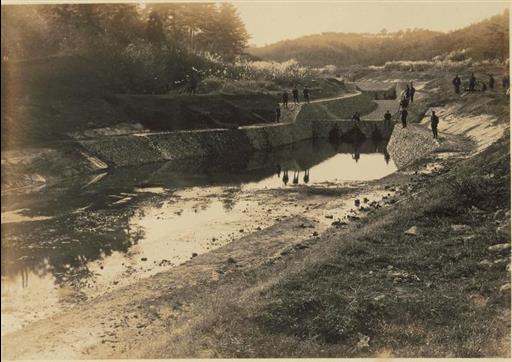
{"x":74,"y":241}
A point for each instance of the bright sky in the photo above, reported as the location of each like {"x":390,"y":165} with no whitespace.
{"x":268,"y":22}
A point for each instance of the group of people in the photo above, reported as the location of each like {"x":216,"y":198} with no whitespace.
{"x":406,"y":98}
{"x":474,"y":85}
{"x":296,"y":175}
{"x":296,"y":100}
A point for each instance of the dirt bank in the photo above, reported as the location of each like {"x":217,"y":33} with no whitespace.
{"x":417,"y":269}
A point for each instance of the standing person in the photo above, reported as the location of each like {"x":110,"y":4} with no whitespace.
{"x":412,"y":91}
{"x":472,"y":82}
{"x":305,"y":92}
{"x":403,"y":117}
{"x":404,"y":103}
{"x":295,"y":93}
{"x":505,"y":82}
{"x":387,"y":118}
{"x":456,"y":84}
{"x":434,"y":121}
{"x":278,"y":113}
{"x":491,"y":82}
{"x":285,"y":99}
{"x":407,"y":94}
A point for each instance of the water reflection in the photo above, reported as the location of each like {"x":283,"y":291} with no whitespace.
{"x":86,"y":234}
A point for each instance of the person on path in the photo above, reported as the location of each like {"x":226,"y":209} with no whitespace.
{"x":434,"y":121}
{"x":412,"y":91}
{"x":295,"y":93}
{"x":472,"y":82}
{"x":305,"y":92}
{"x":403,"y":117}
{"x":285,"y":99}
{"x":387,"y":118}
{"x":456,"y":84}
{"x":491,"y":82}
{"x":278,"y":113}
{"x":356,"y":118}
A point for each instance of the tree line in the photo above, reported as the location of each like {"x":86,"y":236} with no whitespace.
{"x":152,"y":46}
{"x":487,"y":39}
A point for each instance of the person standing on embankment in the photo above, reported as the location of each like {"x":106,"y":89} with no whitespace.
{"x":285,"y":99}
{"x":456,"y":84}
{"x":305,"y":92}
{"x":295,"y":93}
{"x":403,"y":117}
{"x":434,"y":121}
{"x":278,"y":113}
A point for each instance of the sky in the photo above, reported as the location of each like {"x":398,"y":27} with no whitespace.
{"x":268,"y":22}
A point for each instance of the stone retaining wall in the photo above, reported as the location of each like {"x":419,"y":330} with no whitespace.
{"x":407,"y":145}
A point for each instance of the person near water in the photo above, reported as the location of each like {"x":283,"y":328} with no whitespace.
{"x":472,"y":82}
{"x":306,"y":176}
{"x":411,"y":92}
{"x":356,"y":118}
{"x":407,"y":93}
{"x":491,"y":81}
{"x":387,"y":118}
{"x":305,"y":93}
{"x":456,"y":83}
{"x":403,"y":117}
{"x":434,"y":121}
{"x":278,"y":113}
{"x":285,"y":99}
{"x":295,"y":93}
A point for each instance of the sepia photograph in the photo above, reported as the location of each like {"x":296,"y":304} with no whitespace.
{"x":255,"y":179}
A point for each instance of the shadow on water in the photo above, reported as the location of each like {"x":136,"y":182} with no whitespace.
{"x":61,"y":237}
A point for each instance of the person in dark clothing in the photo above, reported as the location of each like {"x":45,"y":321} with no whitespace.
{"x":491,"y":81}
{"x":295,"y":93}
{"x":407,"y":93}
{"x":456,"y":84}
{"x":305,"y":92}
{"x":356,"y":118}
{"x":472,"y":82}
{"x":412,"y":91}
{"x":387,"y":118}
{"x":434,"y":121}
{"x":404,"y":103}
{"x":506,"y":82}
{"x":278,"y":113}
{"x":403,"y":117}
{"x":285,"y":177}
{"x":285,"y":99}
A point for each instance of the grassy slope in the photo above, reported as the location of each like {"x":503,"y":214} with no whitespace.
{"x":425,"y":296}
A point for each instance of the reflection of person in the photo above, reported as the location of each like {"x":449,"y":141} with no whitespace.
{"x":278,"y":170}
{"x":387,"y":157}
{"x":295,"y":177}
{"x":24,"y":277}
{"x":285,"y":177}
{"x":306,"y":176}
{"x":356,"y":154}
